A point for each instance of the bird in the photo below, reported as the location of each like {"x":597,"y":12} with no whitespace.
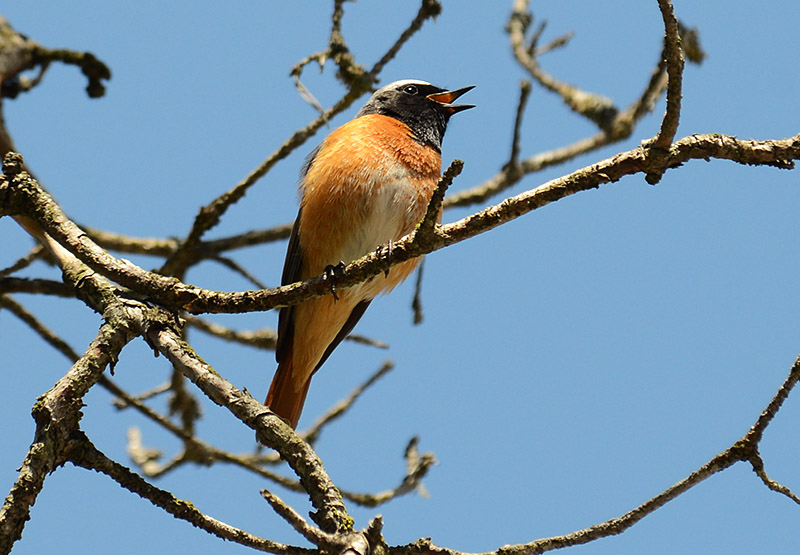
{"x":366,"y":185}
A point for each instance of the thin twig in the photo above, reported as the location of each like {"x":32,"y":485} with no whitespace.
{"x":312,"y":534}
{"x":427,"y":10}
{"x":91,"y":458}
{"x":524,"y":94}
{"x":336,"y":411}
{"x":35,"y":253}
{"x":43,"y":331}
{"x":745,"y":449}
{"x":261,"y":339}
{"x":416,"y":303}
{"x":433,"y":214}
{"x":758,"y":467}
{"x":38,"y":286}
{"x":417,"y":468}
{"x":239,"y":269}
{"x":599,"y":109}
{"x":95,"y":71}
{"x":674,"y":61}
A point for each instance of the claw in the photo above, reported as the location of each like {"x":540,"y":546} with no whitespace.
{"x":387,"y":248}
{"x":331,"y":273}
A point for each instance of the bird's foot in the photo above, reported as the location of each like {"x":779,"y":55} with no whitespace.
{"x":387,"y":251}
{"x":332,"y":274}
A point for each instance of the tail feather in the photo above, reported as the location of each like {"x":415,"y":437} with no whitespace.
{"x":285,"y":398}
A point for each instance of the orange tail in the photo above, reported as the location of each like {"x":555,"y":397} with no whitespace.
{"x":284,"y":398}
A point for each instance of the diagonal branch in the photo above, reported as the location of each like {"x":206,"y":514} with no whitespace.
{"x":271,"y":430}
{"x":21,"y":194}
{"x":743,"y":450}
{"x":615,"y":124}
{"x":89,"y":457}
{"x":336,"y":411}
{"x":57,"y":415}
{"x":358,"y":83}
{"x":312,"y":534}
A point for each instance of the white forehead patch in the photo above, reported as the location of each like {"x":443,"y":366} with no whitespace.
{"x":406,"y":82}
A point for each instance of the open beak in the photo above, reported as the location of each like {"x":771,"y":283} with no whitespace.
{"x":447,"y":97}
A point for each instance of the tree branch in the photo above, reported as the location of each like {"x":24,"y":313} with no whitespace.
{"x":674,"y":61}
{"x":91,"y":458}
{"x":57,"y":415}
{"x":358,"y":83}
{"x":23,"y":195}
{"x":746,"y":449}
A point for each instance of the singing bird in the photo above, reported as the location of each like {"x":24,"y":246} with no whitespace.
{"x":368,"y":183}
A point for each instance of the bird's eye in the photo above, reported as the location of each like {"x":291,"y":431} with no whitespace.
{"x":411,"y":89}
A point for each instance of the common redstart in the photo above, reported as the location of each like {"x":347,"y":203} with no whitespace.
{"x":368,"y":184}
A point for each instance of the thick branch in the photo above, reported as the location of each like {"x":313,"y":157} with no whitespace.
{"x":91,"y":458}
{"x":22,"y":194}
{"x":271,"y":430}
{"x":57,"y":416}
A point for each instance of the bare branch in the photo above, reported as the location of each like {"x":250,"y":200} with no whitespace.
{"x":416,"y":303}
{"x":336,"y":411}
{"x":92,"y":68}
{"x":746,"y":449}
{"x":433,"y":214}
{"x":57,"y":415}
{"x":23,"y":194}
{"x":598,"y":109}
{"x":91,"y":458}
{"x":41,"y":286}
{"x":20,"y":54}
{"x":271,"y":430}
{"x":524,"y":94}
{"x":203,"y":250}
{"x":615,"y":124}
{"x":312,"y":534}
{"x":130,"y":400}
{"x":674,"y":60}
{"x":36,"y":252}
{"x":758,"y":467}
{"x":261,"y":339}
{"x":43,"y":331}
{"x":428,"y":9}
{"x":417,"y":468}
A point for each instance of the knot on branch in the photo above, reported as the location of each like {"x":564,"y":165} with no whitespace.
{"x":656,"y":161}
{"x":11,"y":181}
{"x":92,"y":68}
{"x":13,"y":164}
{"x":745,"y":450}
{"x":690,"y":43}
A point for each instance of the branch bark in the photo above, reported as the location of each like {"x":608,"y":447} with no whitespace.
{"x":22,"y":195}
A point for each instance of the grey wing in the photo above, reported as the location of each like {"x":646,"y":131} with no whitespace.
{"x":352,"y":320}
{"x":291,"y":273}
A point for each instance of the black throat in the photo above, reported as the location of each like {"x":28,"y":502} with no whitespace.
{"x":426,"y":118}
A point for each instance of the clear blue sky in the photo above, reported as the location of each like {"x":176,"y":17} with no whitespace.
{"x":571,"y":364}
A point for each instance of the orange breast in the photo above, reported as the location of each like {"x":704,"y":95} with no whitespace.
{"x":369,"y":183}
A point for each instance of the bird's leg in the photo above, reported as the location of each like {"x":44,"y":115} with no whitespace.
{"x":387,"y":250}
{"x":331,"y":274}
